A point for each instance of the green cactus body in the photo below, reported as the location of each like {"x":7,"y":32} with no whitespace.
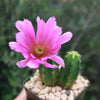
{"x":48,"y":76}
{"x":72,"y":67}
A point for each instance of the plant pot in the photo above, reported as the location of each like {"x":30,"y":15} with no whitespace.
{"x":33,"y":96}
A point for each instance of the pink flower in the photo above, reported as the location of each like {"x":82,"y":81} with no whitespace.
{"x":36,"y":49}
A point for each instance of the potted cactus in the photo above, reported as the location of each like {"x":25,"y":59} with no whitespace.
{"x":55,"y":78}
{"x":59,"y":83}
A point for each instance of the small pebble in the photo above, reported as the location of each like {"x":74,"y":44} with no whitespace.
{"x":50,"y":89}
{"x":85,"y":85}
{"x":38,"y":84}
{"x":57,"y":98}
{"x":26,"y":84}
{"x":51,"y":96}
{"x":77,"y":81}
{"x":43,"y":86}
{"x":36,"y":90}
{"x":82,"y":80}
{"x":63,"y":97}
{"x":86,"y":81}
{"x":32,"y":79}
{"x":71,"y":96}
{"x":31,"y":84}
{"x":63,"y":91}
{"x":53,"y":89}
{"x":80,"y":90}
{"x":47,"y":96}
{"x":79,"y":76}
{"x":36,"y":73}
{"x":45,"y":90}
{"x":58,"y":94}
{"x":77,"y":86}
{"x":36,"y":77}
{"x":42,"y":96}
{"x":58,"y":88}
{"x":68,"y":92}
{"x":75,"y":92}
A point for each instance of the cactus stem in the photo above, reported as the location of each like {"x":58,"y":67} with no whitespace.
{"x":71,"y":70}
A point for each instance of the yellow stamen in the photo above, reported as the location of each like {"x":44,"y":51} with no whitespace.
{"x":39,"y":50}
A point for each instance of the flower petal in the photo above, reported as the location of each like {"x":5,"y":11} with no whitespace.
{"x":51,"y":31}
{"x":51,"y":24}
{"x":56,"y":48}
{"x":26,"y":53}
{"x":15,"y":46}
{"x":24,"y":41}
{"x":32,"y":64}
{"x":19,"y":48}
{"x":44,"y":29}
{"x":52,"y":38}
{"x":22,"y":63}
{"x":48,"y":65}
{"x":65,"y":37}
{"x":58,"y":59}
{"x":40,"y":30}
{"x":27,"y":28}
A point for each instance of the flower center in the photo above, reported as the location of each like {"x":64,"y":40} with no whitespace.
{"x":39,"y":50}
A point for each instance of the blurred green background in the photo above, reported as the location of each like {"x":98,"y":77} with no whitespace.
{"x":81,"y":17}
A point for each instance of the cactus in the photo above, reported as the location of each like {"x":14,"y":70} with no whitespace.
{"x":48,"y":76}
{"x":68,"y":75}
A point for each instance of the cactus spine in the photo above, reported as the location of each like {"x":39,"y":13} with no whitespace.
{"x":48,"y":76}
{"x":72,"y":67}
